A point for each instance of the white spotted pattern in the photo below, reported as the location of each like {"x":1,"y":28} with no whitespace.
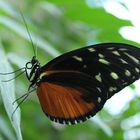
{"x":114,"y":75}
{"x":98,"y":77}
{"x":91,"y":49}
{"x":122,"y":49}
{"x":111,"y":89}
{"x":133,"y":77}
{"x":127,"y":73}
{"x":123,"y":61}
{"x":137,"y":70}
{"x":132,"y":58}
{"x":104,"y":61}
{"x":101,"y":55}
{"x":112,"y":48}
{"x":99,"y":99}
{"x":99,"y":89}
{"x":116,"y":53}
{"x":78,"y":58}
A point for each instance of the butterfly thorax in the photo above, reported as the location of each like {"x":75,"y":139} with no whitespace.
{"x":32,"y":69}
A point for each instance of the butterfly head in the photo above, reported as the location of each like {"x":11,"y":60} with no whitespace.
{"x":33,"y":71}
{"x":33,"y":63}
{"x":34,"y":60}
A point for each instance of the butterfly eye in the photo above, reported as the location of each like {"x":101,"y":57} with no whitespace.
{"x":29,"y":65}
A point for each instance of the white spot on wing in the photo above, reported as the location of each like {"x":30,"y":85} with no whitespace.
{"x":91,"y":50}
{"x":133,"y":77}
{"x":75,"y":122}
{"x":104,"y":61}
{"x":116,"y":53}
{"x":78,"y":58}
{"x":123,"y":61}
{"x":99,"y":89}
{"x":111,"y":89}
{"x":132,"y":58}
{"x":127,"y":73}
{"x":114,"y":75}
{"x":122,"y":49}
{"x":137,"y":70}
{"x":99,"y":99}
{"x":98,"y":77}
{"x":111,"y":48}
{"x":101,"y":55}
{"x":125,"y":83}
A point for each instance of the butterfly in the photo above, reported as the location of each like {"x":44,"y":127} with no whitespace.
{"x":75,"y":86}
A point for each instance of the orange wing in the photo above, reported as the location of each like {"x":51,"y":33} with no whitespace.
{"x":64,"y":104}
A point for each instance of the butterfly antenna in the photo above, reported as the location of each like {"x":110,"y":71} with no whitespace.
{"x":33,"y":46}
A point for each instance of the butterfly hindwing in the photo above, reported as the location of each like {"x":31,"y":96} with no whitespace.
{"x":69,"y":103}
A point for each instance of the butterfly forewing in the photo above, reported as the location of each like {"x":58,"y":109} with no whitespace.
{"x":97,"y":72}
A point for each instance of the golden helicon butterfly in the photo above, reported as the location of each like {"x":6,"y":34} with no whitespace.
{"x":74,"y":86}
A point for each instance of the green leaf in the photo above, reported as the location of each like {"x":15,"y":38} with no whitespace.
{"x":107,"y":130}
{"x":19,"y":29}
{"x":5,"y":129}
{"x":8,"y":93}
{"x":16,"y":59}
{"x":94,"y":17}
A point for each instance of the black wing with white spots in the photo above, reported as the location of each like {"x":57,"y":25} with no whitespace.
{"x":98,"y":71}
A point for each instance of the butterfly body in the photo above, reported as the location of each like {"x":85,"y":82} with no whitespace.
{"x":75,"y":86}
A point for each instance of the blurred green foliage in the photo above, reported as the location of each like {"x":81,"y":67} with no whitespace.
{"x":56,"y":27}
